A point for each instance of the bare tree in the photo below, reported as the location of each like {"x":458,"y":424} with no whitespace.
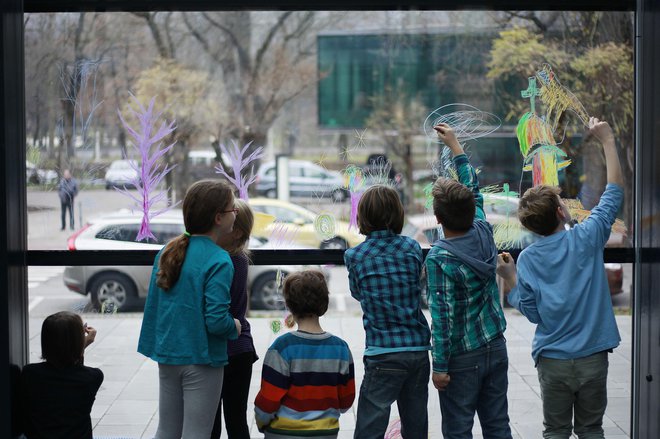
{"x":395,"y":120}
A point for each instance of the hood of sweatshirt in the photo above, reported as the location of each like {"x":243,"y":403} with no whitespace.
{"x":476,"y":249}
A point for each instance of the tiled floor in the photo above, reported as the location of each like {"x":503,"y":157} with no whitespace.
{"x":127,"y":403}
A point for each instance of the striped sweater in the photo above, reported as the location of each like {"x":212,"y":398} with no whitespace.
{"x":306,"y":382}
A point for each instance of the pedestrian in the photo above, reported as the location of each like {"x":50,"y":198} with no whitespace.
{"x":241,"y":352}
{"x":561,"y":286}
{"x":67,"y":190}
{"x":186,"y":321}
{"x":470,"y":360}
{"x":58,"y":393}
{"x":308,"y":376}
{"x":384,"y":276}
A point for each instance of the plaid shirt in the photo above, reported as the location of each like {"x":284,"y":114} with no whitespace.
{"x":384,"y":275}
{"x":465,"y":310}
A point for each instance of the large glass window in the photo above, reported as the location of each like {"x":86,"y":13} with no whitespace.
{"x":350,"y":98}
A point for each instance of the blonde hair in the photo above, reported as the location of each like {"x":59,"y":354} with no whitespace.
{"x":244,"y":223}
{"x":380,"y":208}
{"x":203,"y":201}
{"x":537,"y":209}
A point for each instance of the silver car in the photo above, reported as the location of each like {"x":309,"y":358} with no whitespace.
{"x":125,"y":287}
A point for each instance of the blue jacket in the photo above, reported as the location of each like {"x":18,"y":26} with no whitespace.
{"x":190,"y":323}
{"x":562,"y":287}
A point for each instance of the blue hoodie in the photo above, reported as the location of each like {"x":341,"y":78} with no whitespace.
{"x":476,"y":249}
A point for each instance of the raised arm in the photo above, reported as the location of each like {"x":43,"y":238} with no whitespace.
{"x":603,"y":132}
{"x":465,"y":171}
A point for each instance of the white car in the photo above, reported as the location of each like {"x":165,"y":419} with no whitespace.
{"x":125,"y":287}
{"x":39,"y":176}
{"x":306,"y":179}
{"x":122,"y":174}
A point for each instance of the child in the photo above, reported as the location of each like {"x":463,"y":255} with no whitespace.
{"x":241,"y":352}
{"x":186,"y":320}
{"x":470,"y":361}
{"x":562,"y":287}
{"x":58,"y":394}
{"x":308,"y":375}
{"x":384,"y":275}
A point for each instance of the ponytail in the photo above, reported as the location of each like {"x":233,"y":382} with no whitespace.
{"x":171,"y":261}
{"x":202,"y":202}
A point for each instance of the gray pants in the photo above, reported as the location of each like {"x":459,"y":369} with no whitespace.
{"x":187,"y":397}
{"x":573,"y":387}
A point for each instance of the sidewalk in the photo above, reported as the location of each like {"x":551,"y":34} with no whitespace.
{"x":127,"y":403}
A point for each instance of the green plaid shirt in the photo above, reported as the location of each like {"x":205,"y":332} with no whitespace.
{"x":465,"y":310}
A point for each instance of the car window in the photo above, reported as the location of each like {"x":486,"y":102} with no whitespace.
{"x":119,"y":232}
{"x":282,"y":214}
{"x":270,"y":172}
{"x":165,"y":232}
{"x":296,"y":171}
{"x":315,"y":173}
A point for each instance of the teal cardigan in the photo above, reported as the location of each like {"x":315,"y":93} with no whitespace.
{"x":190,"y":323}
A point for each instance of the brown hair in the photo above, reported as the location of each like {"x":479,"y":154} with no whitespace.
{"x":537,"y":209}
{"x":453,"y":204}
{"x":243,"y":223}
{"x":202,"y":202}
{"x":63,"y":339}
{"x":306,"y":293}
{"x":380,"y":208}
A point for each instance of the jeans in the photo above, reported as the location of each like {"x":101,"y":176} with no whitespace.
{"x":573,"y":388}
{"x":402,"y":377}
{"x":185,"y":395}
{"x":478,"y":383}
{"x":67,"y":205}
{"x":235,"y":389}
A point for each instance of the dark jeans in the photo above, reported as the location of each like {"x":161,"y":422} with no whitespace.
{"x":478,"y":383}
{"x":573,"y":388}
{"x":402,"y":377}
{"x":235,"y":389}
{"x":65,"y":206}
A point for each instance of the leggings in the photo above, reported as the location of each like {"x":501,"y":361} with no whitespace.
{"x":186,"y":394}
{"x":235,"y":389}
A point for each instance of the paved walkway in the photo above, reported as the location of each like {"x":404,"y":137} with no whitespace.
{"x":127,"y":403}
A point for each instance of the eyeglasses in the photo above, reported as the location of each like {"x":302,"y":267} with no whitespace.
{"x":235,"y":210}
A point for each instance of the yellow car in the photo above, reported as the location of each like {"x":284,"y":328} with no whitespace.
{"x":294,"y":224}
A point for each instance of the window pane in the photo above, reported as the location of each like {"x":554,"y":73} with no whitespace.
{"x":350,"y":109}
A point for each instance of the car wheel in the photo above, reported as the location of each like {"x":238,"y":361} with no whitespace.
{"x":113,"y":292}
{"x":338,"y":195}
{"x":265,"y":294}
{"x":335,"y":243}
{"x":271,"y":193}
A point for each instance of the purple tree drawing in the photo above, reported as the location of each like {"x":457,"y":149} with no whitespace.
{"x":150,"y":173}
{"x":238,"y":163}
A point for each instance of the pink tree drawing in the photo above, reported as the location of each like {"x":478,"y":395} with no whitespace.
{"x":238,"y":162}
{"x":149,"y":148}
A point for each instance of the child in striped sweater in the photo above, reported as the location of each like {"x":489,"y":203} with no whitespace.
{"x":308,"y":378}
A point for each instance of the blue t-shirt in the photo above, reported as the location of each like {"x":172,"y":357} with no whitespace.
{"x":190,"y":323}
{"x":562,"y":286}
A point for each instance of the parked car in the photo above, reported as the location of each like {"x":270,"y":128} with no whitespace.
{"x":125,"y":287}
{"x":296,"y":223}
{"x":122,"y":174}
{"x":36,"y":175}
{"x":306,"y":179}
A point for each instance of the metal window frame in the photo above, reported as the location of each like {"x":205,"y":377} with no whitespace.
{"x":13,"y":217}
